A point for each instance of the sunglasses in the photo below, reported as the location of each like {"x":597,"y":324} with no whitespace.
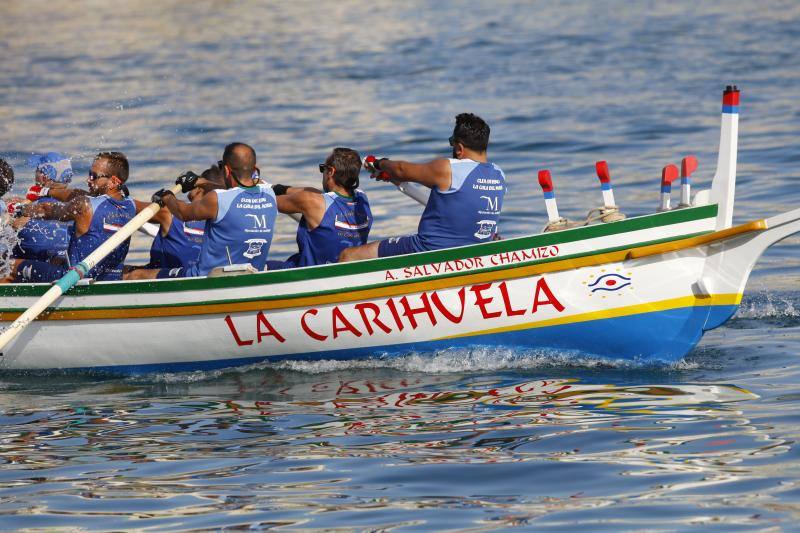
{"x":323,"y":167}
{"x":452,"y":140}
{"x":95,"y":176}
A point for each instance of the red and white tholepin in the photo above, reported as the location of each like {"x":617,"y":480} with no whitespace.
{"x":668,"y":175}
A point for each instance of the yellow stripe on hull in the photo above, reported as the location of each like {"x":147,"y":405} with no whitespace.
{"x":663,"y":305}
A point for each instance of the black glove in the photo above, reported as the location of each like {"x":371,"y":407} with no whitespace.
{"x":373,"y":164}
{"x":187,"y":181}
{"x":158,"y":197}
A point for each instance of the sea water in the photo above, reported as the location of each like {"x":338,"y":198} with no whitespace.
{"x":476,"y":439}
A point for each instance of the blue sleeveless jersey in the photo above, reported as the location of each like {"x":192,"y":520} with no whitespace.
{"x":346,"y":223}
{"x":43,"y":240}
{"x":468,"y":212}
{"x":241,"y":232}
{"x":180,"y":247}
{"x":108,"y":216}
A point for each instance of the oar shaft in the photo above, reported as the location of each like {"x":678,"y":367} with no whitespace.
{"x":32,"y":312}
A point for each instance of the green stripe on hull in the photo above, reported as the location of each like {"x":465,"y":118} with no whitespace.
{"x":389,"y":263}
{"x":379,"y":285}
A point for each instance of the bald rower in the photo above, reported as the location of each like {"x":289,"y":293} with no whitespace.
{"x":239,"y":219}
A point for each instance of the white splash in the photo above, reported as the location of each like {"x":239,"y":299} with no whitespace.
{"x":8,"y":239}
{"x":768,"y":305}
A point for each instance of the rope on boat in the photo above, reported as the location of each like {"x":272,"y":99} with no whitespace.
{"x":603,"y":214}
{"x":607,"y":213}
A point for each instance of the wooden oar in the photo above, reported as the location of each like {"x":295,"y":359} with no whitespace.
{"x":78,"y":271}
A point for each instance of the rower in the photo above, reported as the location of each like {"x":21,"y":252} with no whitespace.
{"x":332,"y":220}
{"x":466,"y":195}
{"x":239,"y":219}
{"x":177,"y":243}
{"x":44,"y":240}
{"x":97,"y":214}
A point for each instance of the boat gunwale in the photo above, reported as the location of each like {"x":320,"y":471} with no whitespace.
{"x":596,"y":258}
{"x":333,"y":270}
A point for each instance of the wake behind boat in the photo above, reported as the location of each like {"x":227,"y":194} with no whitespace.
{"x":644,"y":288}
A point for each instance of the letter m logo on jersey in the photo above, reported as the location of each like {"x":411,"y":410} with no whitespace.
{"x":259,"y":221}
{"x":492,"y":203}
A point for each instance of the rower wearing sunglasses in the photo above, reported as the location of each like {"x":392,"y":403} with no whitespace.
{"x":96,"y":215}
{"x":333,"y":219}
{"x":466,"y":195}
{"x":239,"y":219}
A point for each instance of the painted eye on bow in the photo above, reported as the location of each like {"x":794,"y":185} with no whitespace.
{"x":610,"y":282}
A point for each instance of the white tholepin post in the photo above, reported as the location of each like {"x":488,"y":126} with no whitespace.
{"x":723,"y":188}
{"x":688,"y":166}
{"x":605,"y":183}
{"x":549,"y":194}
{"x":668,"y":175}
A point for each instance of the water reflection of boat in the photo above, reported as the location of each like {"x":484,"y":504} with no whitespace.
{"x":378,"y":404}
{"x":643,"y":288}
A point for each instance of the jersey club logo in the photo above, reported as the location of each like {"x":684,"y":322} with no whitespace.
{"x":254,"y":247}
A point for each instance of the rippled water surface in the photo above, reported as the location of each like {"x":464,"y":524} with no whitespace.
{"x":468,"y":439}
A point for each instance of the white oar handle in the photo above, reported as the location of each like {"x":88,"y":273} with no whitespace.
{"x":78,"y":271}
{"x":415,"y":191}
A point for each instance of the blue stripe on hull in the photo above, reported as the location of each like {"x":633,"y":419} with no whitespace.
{"x":658,"y":336}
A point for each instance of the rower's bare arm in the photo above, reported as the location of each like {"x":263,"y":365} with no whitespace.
{"x":310,"y":204}
{"x":61,"y":211}
{"x":300,"y":201}
{"x":62,"y":193}
{"x":203,"y":209}
{"x":436,"y":173}
{"x":292,"y":190}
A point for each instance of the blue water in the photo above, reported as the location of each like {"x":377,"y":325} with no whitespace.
{"x":463,"y":439}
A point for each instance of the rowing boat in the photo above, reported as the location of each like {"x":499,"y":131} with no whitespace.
{"x":644,"y":288}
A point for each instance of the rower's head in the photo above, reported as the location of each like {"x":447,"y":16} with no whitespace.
{"x":6,"y":177}
{"x":340,"y":171}
{"x":108,"y":174}
{"x":470,"y":136}
{"x":51,"y":167}
{"x":238,"y":166}
{"x":211,"y":179}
